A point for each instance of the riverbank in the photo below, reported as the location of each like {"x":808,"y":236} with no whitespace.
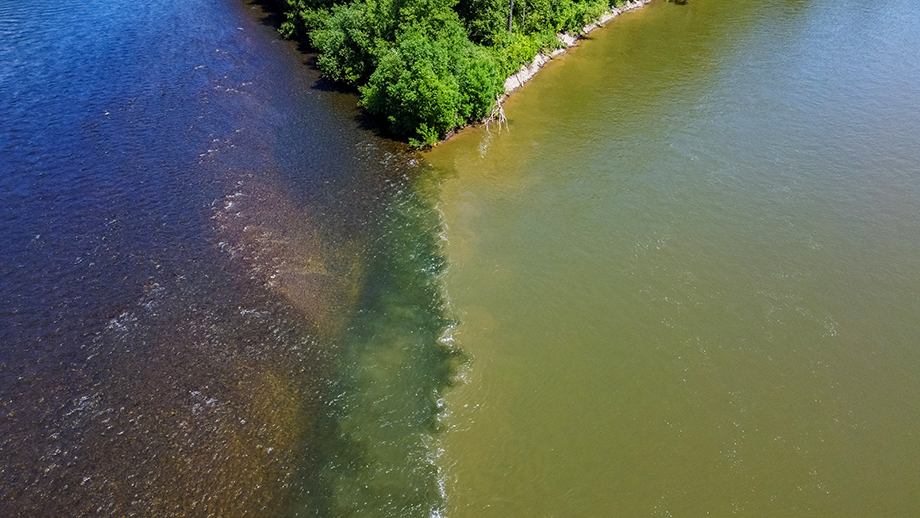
{"x":527,"y":72}
{"x":429,"y":68}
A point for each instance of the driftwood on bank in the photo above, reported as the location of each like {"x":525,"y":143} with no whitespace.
{"x":526,"y":72}
{"x":497,"y":115}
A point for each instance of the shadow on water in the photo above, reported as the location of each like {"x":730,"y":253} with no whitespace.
{"x":272,"y":13}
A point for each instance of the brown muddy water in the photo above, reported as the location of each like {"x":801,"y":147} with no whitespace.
{"x":688,"y":275}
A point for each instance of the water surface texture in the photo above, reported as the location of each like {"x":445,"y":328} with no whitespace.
{"x":218,"y":294}
{"x":689,"y":274}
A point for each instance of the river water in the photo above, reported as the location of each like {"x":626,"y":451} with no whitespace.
{"x":688,"y":275}
{"x":683,"y":282}
{"x":214,"y":280}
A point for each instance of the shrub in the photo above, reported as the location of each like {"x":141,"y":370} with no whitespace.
{"x":345,"y":46}
{"x":413,"y":86}
{"x":426,"y":87}
{"x":414,"y":61}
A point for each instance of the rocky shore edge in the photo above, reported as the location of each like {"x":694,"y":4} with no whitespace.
{"x":527,"y":72}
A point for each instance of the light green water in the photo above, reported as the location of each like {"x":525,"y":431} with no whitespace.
{"x":688,"y":276}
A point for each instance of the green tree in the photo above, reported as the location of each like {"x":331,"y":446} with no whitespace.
{"x":426,"y":86}
{"x":428,"y":66}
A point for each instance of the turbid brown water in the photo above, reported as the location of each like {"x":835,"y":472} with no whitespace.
{"x":688,"y":276}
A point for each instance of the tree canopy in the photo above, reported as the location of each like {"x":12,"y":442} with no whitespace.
{"x":428,"y":66}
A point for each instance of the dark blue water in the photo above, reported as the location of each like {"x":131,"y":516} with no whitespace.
{"x":202,"y":249}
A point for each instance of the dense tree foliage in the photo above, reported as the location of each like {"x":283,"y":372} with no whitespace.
{"x":428,"y":66}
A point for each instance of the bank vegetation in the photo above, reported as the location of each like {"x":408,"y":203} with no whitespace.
{"x":429,"y":66}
